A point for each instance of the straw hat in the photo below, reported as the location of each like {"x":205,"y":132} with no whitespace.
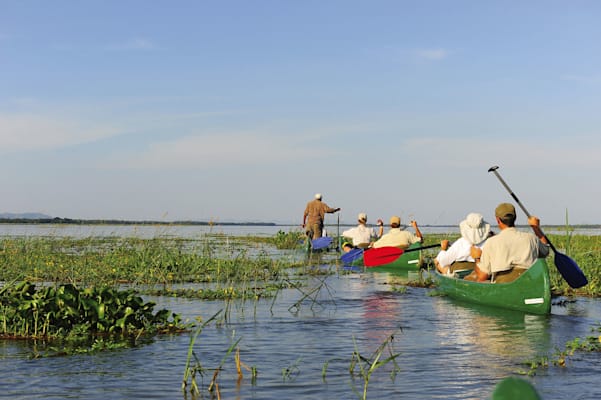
{"x":362,"y":217}
{"x":474,"y":228}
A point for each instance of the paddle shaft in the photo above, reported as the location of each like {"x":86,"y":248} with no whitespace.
{"x":430,"y":246}
{"x":494,"y":171}
{"x":567,"y":267}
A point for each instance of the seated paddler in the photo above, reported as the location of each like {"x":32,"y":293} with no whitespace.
{"x":363,"y":236}
{"x":474,"y":232}
{"x":506,"y":255}
{"x":398,"y":237}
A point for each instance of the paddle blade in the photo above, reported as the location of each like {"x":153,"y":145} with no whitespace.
{"x":351,"y":256}
{"x":570,"y":271}
{"x":381,"y":256}
{"x":321,"y":243}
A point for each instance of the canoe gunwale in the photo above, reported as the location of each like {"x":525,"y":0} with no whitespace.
{"x":530,"y":292}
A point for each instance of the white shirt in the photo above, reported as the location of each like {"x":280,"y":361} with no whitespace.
{"x":360,"y":234}
{"x":459,"y":251}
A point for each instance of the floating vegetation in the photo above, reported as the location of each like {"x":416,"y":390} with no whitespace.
{"x":71,"y":320}
{"x":227,"y":293}
{"x":591,"y":343}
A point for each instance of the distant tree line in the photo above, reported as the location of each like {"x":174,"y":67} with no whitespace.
{"x":57,"y":220}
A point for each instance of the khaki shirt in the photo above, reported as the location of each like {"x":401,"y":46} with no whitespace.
{"x":397,"y":238}
{"x":511,"y":248}
{"x":316,"y":211}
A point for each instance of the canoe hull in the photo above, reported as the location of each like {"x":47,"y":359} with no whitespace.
{"x":411,"y":261}
{"x":530,"y":292}
{"x":408,"y":261}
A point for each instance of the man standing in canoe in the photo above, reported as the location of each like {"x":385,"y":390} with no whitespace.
{"x":509,"y":253}
{"x":314,"y":215}
{"x":398,"y":237}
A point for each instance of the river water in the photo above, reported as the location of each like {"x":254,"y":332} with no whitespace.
{"x":447,"y":350}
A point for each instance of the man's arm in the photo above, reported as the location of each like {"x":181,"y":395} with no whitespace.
{"x":417,"y":231}
{"x":476,"y":253}
{"x":534,"y":223}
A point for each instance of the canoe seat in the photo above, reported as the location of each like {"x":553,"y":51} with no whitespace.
{"x":461,"y":273}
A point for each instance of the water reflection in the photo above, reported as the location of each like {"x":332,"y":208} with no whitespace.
{"x":501,"y":333}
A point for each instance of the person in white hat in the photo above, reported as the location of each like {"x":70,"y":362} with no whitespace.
{"x":474,"y":232}
{"x":362,"y":235}
{"x":314,"y":215}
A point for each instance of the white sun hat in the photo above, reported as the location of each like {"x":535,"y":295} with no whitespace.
{"x":474,"y":228}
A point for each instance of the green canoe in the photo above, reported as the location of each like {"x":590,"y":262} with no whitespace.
{"x":530,"y":292}
{"x":390,"y":259}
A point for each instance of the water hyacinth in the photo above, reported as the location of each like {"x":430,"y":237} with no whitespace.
{"x":64,"y":311}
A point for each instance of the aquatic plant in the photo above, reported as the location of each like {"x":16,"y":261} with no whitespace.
{"x":192,"y":369}
{"x":288,"y":240}
{"x":290,"y":372}
{"x":80,"y":319}
{"x":368,"y":365}
{"x":111,"y":261}
{"x":310,"y":294}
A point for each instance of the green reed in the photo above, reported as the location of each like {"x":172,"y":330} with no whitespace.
{"x":368,"y":365}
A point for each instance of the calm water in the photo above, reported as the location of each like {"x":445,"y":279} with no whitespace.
{"x":448,"y":350}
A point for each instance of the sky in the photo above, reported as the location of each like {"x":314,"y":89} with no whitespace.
{"x":240,"y":111}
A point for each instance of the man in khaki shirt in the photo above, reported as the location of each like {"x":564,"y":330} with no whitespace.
{"x":398,"y":237}
{"x":508,"y":254}
{"x":314,"y":215}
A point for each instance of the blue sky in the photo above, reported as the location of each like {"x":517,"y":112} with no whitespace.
{"x":243,"y":110}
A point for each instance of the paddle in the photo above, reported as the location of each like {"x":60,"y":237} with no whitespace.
{"x":352,"y":255}
{"x":339,"y":244}
{"x":567,"y":267}
{"x":321,"y":242}
{"x":384,"y":255}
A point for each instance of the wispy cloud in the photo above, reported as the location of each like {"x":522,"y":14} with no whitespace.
{"x":478,"y":152}
{"x":137,"y":43}
{"x":590,"y":79}
{"x":25,"y":132}
{"x":433,"y":54}
{"x":218,"y":150}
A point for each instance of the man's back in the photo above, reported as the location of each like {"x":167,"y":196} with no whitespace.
{"x":510,"y":248}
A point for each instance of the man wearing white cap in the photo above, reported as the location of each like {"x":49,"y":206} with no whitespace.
{"x":362,"y":235}
{"x":313,"y":217}
{"x":474,"y":232}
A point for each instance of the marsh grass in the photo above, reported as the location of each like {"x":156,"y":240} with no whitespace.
{"x":135,"y":261}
